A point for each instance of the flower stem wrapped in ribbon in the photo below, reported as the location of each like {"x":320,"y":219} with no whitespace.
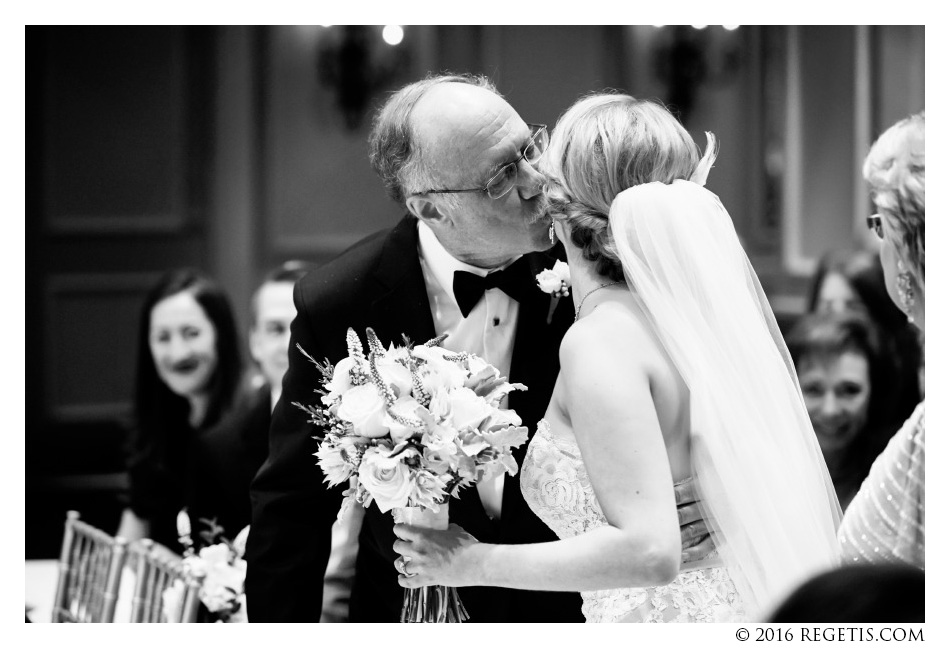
{"x":414,"y":424}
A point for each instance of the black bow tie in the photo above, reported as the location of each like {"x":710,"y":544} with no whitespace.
{"x":515,"y":280}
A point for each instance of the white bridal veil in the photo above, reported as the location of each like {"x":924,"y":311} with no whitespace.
{"x":756,"y":462}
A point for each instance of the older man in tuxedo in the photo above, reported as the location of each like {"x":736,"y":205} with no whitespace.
{"x":462,"y":262}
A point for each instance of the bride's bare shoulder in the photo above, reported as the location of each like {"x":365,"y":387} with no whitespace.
{"x":611,"y":331}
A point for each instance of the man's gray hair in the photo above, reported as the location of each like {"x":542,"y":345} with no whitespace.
{"x":394,"y":149}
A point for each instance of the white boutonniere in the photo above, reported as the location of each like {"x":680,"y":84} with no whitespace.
{"x":557,"y":283}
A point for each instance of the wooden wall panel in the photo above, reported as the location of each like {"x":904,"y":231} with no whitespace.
{"x":114,"y":138}
{"x":93,"y":345}
{"x":320,"y":192}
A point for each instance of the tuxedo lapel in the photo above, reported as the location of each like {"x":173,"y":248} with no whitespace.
{"x":402,"y":304}
{"x":534,"y":363}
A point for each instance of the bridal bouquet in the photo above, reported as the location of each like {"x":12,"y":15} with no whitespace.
{"x":219,"y":567}
{"x":414,"y":425}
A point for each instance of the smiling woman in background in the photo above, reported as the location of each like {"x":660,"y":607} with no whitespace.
{"x":188,"y":371}
{"x":846,"y":376}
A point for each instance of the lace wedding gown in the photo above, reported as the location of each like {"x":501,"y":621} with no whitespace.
{"x":556,"y":486}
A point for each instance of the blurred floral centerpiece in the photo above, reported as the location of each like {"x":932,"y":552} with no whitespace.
{"x":220,"y":568}
{"x":414,"y":424}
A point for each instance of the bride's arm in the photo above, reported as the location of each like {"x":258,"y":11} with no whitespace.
{"x":614,"y":418}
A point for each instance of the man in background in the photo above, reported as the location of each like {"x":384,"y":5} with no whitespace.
{"x":235,"y":449}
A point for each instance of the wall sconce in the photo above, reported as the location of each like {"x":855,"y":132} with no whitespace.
{"x":356,"y":62}
{"x":689,"y":56}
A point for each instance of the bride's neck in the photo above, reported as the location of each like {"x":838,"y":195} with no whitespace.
{"x":584,"y":276}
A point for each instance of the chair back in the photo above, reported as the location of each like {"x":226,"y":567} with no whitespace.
{"x":90,"y":568}
{"x":158,"y":570}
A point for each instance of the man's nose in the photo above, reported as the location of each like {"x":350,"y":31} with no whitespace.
{"x":530,"y":181}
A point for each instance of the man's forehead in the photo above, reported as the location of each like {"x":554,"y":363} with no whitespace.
{"x":466,"y":125}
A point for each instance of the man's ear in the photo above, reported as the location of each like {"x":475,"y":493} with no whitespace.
{"x":254,"y":343}
{"x":425,"y":209}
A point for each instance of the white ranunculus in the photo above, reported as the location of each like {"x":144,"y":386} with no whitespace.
{"x":365,"y":408}
{"x":386,"y":478}
{"x":468,"y":409}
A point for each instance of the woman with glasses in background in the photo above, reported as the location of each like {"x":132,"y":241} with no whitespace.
{"x":885,"y":522}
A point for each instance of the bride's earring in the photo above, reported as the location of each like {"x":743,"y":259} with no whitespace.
{"x":905,"y":290}
{"x":551,"y":232}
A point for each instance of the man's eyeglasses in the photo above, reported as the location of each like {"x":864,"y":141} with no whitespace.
{"x":875,"y":225}
{"x":507,"y":177}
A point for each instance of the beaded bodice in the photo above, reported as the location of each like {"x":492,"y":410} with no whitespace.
{"x":556,"y":486}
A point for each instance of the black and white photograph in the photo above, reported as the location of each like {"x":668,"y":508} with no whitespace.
{"x":475,"y":324}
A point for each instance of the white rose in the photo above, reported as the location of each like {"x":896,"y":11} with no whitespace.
{"x":340,"y":383}
{"x":365,"y":408}
{"x":405,"y":407}
{"x":395,"y":374}
{"x":468,"y":409}
{"x":386,"y":479}
{"x":440,"y":405}
{"x":437,"y":371}
{"x":563,"y":271}
{"x":549,"y":281}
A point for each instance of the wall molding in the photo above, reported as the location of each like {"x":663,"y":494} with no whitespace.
{"x":97,"y":286}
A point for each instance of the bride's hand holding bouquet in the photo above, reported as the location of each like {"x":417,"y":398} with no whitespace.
{"x":413,"y":425}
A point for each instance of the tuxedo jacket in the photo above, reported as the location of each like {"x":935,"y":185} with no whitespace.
{"x":378,"y":283}
{"x":227,"y":456}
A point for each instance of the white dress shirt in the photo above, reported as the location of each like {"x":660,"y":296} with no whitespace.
{"x":488,"y":331}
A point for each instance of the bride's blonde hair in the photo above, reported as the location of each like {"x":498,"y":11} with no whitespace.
{"x":603,"y":144}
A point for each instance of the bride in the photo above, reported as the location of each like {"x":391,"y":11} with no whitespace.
{"x":674,"y":370}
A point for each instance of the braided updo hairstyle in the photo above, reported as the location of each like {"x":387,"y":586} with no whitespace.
{"x":895,"y":168}
{"x":603,"y":144}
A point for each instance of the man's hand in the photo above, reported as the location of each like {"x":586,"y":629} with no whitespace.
{"x":697,"y":543}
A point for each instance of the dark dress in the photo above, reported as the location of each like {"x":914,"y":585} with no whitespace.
{"x":226,"y":457}
{"x":379,"y":283}
{"x":161,"y":481}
